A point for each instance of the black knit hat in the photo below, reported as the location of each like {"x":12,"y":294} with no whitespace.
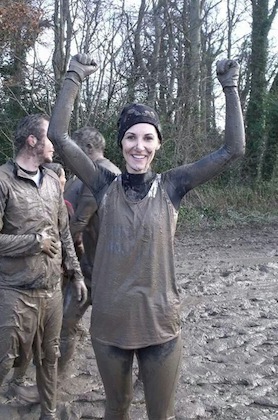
{"x":134,"y":114}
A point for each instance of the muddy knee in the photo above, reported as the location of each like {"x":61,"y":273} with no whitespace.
{"x":5,"y":366}
{"x":118,"y":408}
{"x":51,"y":354}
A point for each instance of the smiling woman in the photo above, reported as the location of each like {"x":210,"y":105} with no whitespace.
{"x":135,"y":299}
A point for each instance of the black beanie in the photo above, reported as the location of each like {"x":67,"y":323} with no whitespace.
{"x":134,"y":114}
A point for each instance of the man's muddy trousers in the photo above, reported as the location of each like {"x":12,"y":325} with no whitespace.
{"x":31,"y":321}
{"x":72,"y":315}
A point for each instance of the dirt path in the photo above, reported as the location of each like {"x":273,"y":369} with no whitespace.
{"x":229,"y":287}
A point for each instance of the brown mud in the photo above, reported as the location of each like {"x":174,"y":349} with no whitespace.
{"x":228,"y":281}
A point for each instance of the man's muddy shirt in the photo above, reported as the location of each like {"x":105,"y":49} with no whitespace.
{"x":26,"y":210}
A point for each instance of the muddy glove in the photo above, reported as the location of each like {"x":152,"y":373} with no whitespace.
{"x":227,"y":72}
{"x":81,"y":66}
{"x":81,"y":291}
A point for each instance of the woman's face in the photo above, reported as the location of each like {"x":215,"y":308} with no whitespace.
{"x":139,"y":144}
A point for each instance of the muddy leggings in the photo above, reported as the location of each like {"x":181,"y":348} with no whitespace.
{"x":159,"y":367}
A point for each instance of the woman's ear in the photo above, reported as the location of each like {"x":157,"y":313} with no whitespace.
{"x":158,"y":146}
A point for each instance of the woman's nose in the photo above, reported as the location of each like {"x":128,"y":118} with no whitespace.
{"x":140,"y":144}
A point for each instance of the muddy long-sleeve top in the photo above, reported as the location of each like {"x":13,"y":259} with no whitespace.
{"x":26,"y":211}
{"x":135,"y":302}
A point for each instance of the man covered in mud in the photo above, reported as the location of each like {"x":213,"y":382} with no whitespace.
{"x":84,"y":228}
{"x":33,"y":228}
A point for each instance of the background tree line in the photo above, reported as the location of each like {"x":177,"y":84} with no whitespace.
{"x":161,"y":52}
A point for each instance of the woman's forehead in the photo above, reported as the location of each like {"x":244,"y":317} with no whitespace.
{"x":142,"y":127}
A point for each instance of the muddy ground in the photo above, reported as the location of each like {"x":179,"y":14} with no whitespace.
{"x":228,"y":281}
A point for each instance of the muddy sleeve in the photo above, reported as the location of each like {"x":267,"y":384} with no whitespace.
{"x":70,"y":261}
{"x":15,"y":245}
{"x":73,"y":156}
{"x":87,"y":206}
{"x":184,"y":178}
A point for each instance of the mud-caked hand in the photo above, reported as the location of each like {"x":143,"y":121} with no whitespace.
{"x":83,"y":65}
{"x":227,"y":72}
{"x":81,"y":291}
{"x":49,"y":246}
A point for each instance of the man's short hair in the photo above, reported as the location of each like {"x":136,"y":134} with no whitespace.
{"x":87,"y":137}
{"x":27,"y":126}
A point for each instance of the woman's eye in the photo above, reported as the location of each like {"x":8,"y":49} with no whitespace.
{"x":130,"y":137}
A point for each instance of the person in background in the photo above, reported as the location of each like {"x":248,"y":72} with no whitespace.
{"x":84,"y":228}
{"x":33,"y":228}
{"x":135,"y":299}
{"x":59,"y":170}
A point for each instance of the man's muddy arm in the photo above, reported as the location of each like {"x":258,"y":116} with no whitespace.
{"x":70,"y":261}
{"x":20,"y":245}
{"x":87,"y":206}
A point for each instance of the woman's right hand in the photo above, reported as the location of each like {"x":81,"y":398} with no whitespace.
{"x":83,"y":65}
{"x":227,"y":72}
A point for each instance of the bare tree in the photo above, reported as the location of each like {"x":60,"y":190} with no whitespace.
{"x":63,"y":32}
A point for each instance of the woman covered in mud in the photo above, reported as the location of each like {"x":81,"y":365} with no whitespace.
{"x":135,"y":301}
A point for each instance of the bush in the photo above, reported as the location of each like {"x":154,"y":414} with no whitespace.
{"x":214,"y":206}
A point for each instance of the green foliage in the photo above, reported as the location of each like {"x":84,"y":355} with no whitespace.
{"x":113,"y":152}
{"x":214,"y":206}
{"x":109,"y":131}
{"x":164,"y":159}
{"x":271,"y":144}
{"x":6,"y":135}
{"x":6,"y":148}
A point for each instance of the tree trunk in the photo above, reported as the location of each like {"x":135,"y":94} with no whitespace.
{"x":271,"y":145}
{"x":63,"y":28}
{"x":256,"y":110}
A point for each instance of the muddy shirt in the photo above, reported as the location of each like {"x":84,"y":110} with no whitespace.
{"x":26,"y":210}
{"x":135,"y":302}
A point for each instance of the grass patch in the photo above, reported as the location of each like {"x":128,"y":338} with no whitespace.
{"x":217,"y":206}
